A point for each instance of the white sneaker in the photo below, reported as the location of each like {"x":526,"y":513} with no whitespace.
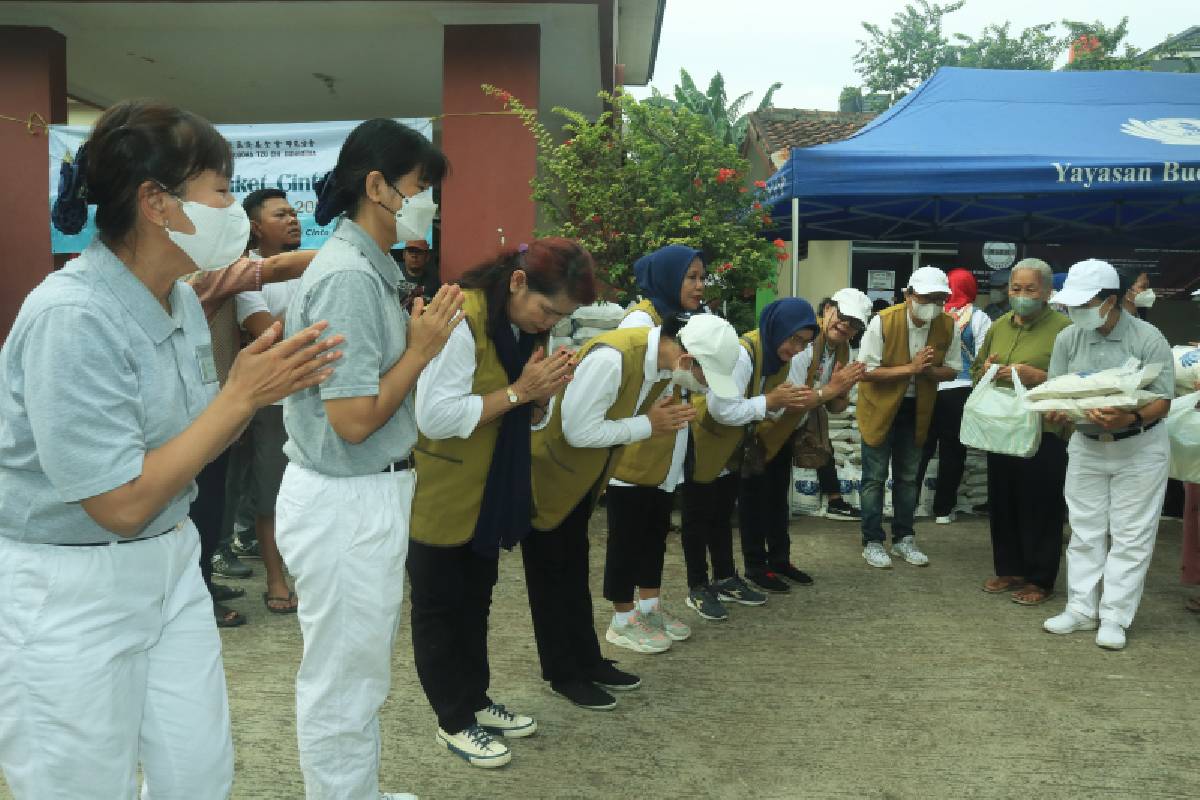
{"x":946,"y":519}
{"x":876,"y":556}
{"x":499,"y":721}
{"x":638,"y":635}
{"x":1111,"y":635}
{"x":907,"y":549}
{"x":396,"y":796}
{"x":1069,"y":622}
{"x":476,"y":746}
{"x":676,"y":629}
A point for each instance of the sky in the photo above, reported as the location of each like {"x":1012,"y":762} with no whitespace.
{"x":810,"y":46}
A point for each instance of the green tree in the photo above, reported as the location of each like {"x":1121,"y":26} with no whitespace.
{"x":645,"y":175}
{"x":1036,"y":47}
{"x":1098,"y":46}
{"x":723,"y":117}
{"x":897,"y":59}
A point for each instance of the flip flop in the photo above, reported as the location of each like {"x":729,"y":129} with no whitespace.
{"x":221,"y":593}
{"x":268,"y":599}
{"x":1031,"y":595}
{"x":223,"y":618}
{"x":1002,"y":583}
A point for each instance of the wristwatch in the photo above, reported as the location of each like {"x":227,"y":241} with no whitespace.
{"x":1141,"y":423}
{"x":512,"y":396}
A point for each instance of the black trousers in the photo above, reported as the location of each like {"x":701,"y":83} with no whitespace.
{"x":708,"y":528}
{"x":952,"y":454}
{"x":208,"y":511}
{"x":763,"y":513}
{"x":1025,"y":497}
{"x":827,"y":477}
{"x":560,"y":602}
{"x":451,"y":596}
{"x":639,"y":518}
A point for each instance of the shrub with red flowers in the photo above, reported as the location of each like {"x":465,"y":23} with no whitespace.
{"x":643,"y":176}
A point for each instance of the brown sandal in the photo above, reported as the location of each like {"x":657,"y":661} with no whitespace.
{"x":1002,"y":583}
{"x":1031,"y":595}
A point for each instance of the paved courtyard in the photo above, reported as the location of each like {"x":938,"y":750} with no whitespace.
{"x":910,"y":683}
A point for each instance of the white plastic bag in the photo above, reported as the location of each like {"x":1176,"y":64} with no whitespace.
{"x":1187,"y":368}
{"x":997,"y":420}
{"x":1183,"y":427}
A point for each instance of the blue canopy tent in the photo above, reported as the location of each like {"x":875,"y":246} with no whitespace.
{"x":1011,"y":156}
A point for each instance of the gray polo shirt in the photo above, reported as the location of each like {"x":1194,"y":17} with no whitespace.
{"x":95,"y":374}
{"x":1077,"y":350}
{"x":355,"y":287}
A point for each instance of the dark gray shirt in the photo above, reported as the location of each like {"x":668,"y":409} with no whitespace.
{"x":354,"y":286}
{"x":1077,"y":350}
{"x":94,"y":375}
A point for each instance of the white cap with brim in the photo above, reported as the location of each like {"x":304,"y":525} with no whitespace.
{"x":929,"y":280}
{"x":853,"y":303}
{"x":714,"y":343}
{"x":1084,"y":281}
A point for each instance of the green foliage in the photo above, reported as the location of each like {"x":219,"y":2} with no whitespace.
{"x":645,"y":175}
{"x":1098,"y":46}
{"x":896,"y":60}
{"x":1036,"y":47}
{"x":724,"y":118}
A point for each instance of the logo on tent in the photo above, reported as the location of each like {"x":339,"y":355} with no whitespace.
{"x":1168,"y":130}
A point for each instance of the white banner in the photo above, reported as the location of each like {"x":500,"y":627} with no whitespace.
{"x":287,"y":156}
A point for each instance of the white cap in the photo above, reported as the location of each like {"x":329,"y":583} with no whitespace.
{"x":1196,"y":293}
{"x":714,"y":343}
{"x":929,"y":280}
{"x":1085,"y":280}
{"x":853,"y":303}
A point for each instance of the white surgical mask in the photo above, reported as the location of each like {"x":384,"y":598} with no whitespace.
{"x":415,"y":216}
{"x":1144,"y":298}
{"x":926,"y":312}
{"x":220,"y":237}
{"x":685,"y":379}
{"x":1088,"y":319}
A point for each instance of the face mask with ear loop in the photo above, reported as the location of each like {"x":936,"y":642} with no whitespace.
{"x":220,"y":237}
{"x":415,"y":215}
{"x":1088,"y":319}
{"x":686,"y":379}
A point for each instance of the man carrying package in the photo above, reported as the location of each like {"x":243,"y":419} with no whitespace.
{"x":1117,"y":459}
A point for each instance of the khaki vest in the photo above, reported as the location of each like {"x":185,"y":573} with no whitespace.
{"x":563,"y":476}
{"x":646,"y":463}
{"x":774,"y":433}
{"x":879,"y":402}
{"x":452,"y":473}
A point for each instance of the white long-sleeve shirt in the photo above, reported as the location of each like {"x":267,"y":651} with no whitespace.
{"x":871,"y":351}
{"x":593,"y":391}
{"x":740,"y":410}
{"x":445,"y":406}
{"x":641,"y":319}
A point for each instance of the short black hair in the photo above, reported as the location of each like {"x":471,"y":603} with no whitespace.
{"x":671,"y":326}
{"x":254,"y":201}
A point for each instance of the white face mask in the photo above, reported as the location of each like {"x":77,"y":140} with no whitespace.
{"x":1144,"y":298}
{"x":686,"y":379}
{"x":220,"y":237}
{"x":415,"y":216}
{"x":1088,"y":319}
{"x":925,"y":312}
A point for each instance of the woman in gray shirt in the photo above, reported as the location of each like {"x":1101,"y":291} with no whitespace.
{"x":343,"y":507}
{"x":109,"y":407}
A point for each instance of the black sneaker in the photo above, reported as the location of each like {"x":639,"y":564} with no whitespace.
{"x":227,"y":565}
{"x":768,"y":581}
{"x":247,"y":548}
{"x":584,"y":694}
{"x":789,"y":571}
{"x":607,"y":676}
{"x":734,"y":589}
{"x":840,"y":509}
{"x":704,"y":601}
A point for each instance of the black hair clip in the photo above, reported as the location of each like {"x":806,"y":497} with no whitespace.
{"x":70,"y":206}
{"x":327,"y":199}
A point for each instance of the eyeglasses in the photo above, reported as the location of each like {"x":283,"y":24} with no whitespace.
{"x":853,"y":323}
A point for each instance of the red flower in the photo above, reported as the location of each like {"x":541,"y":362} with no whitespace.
{"x":696,"y":218}
{"x":782,"y":255}
{"x":505,"y":97}
{"x":568,"y":142}
{"x":780,"y":243}
{"x":697,"y":182}
{"x":595,"y":217}
{"x":757,"y":206}
{"x":721,"y":177}
{"x":766,"y":219}
{"x":742,"y":190}
{"x":725,"y":267}
{"x":760,"y":184}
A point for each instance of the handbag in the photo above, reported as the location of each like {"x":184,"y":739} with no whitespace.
{"x":754,"y":454}
{"x":811,"y":448}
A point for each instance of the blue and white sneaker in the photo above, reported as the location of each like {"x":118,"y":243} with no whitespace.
{"x":476,"y":746}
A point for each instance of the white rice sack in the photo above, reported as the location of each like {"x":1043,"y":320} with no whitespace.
{"x":1187,"y":369}
{"x":604,"y":316}
{"x":1077,"y":407}
{"x":806,"y":492}
{"x":840,"y":425}
{"x":586,"y":334}
{"x":1123,"y":380}
{"x":563,"y":328}
{"x":849,"y":484}
{"x":841,"y":435}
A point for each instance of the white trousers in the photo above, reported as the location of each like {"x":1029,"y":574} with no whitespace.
{"x":1114,"y":491}
{"x":109,"y":656}
{"x":345,"y":541}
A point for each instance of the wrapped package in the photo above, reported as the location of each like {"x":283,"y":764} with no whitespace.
{"x":1122,"y":380}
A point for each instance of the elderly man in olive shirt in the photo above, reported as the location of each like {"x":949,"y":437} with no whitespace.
{"x":1025,"y":495}
{"x":1117,"y":468}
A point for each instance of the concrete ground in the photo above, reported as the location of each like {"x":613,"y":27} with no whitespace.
{"x":908,"y":683}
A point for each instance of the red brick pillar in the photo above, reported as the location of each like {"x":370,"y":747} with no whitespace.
{"x":33,"y":78}
{"x":492,"y":158}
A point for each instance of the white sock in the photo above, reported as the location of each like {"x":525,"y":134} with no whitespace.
{"x":648,"y":605}
{"x":622,"y":617}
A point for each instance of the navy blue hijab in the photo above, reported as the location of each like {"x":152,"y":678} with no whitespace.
{"x":660,"y":276}
{"x":779,"y":321}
